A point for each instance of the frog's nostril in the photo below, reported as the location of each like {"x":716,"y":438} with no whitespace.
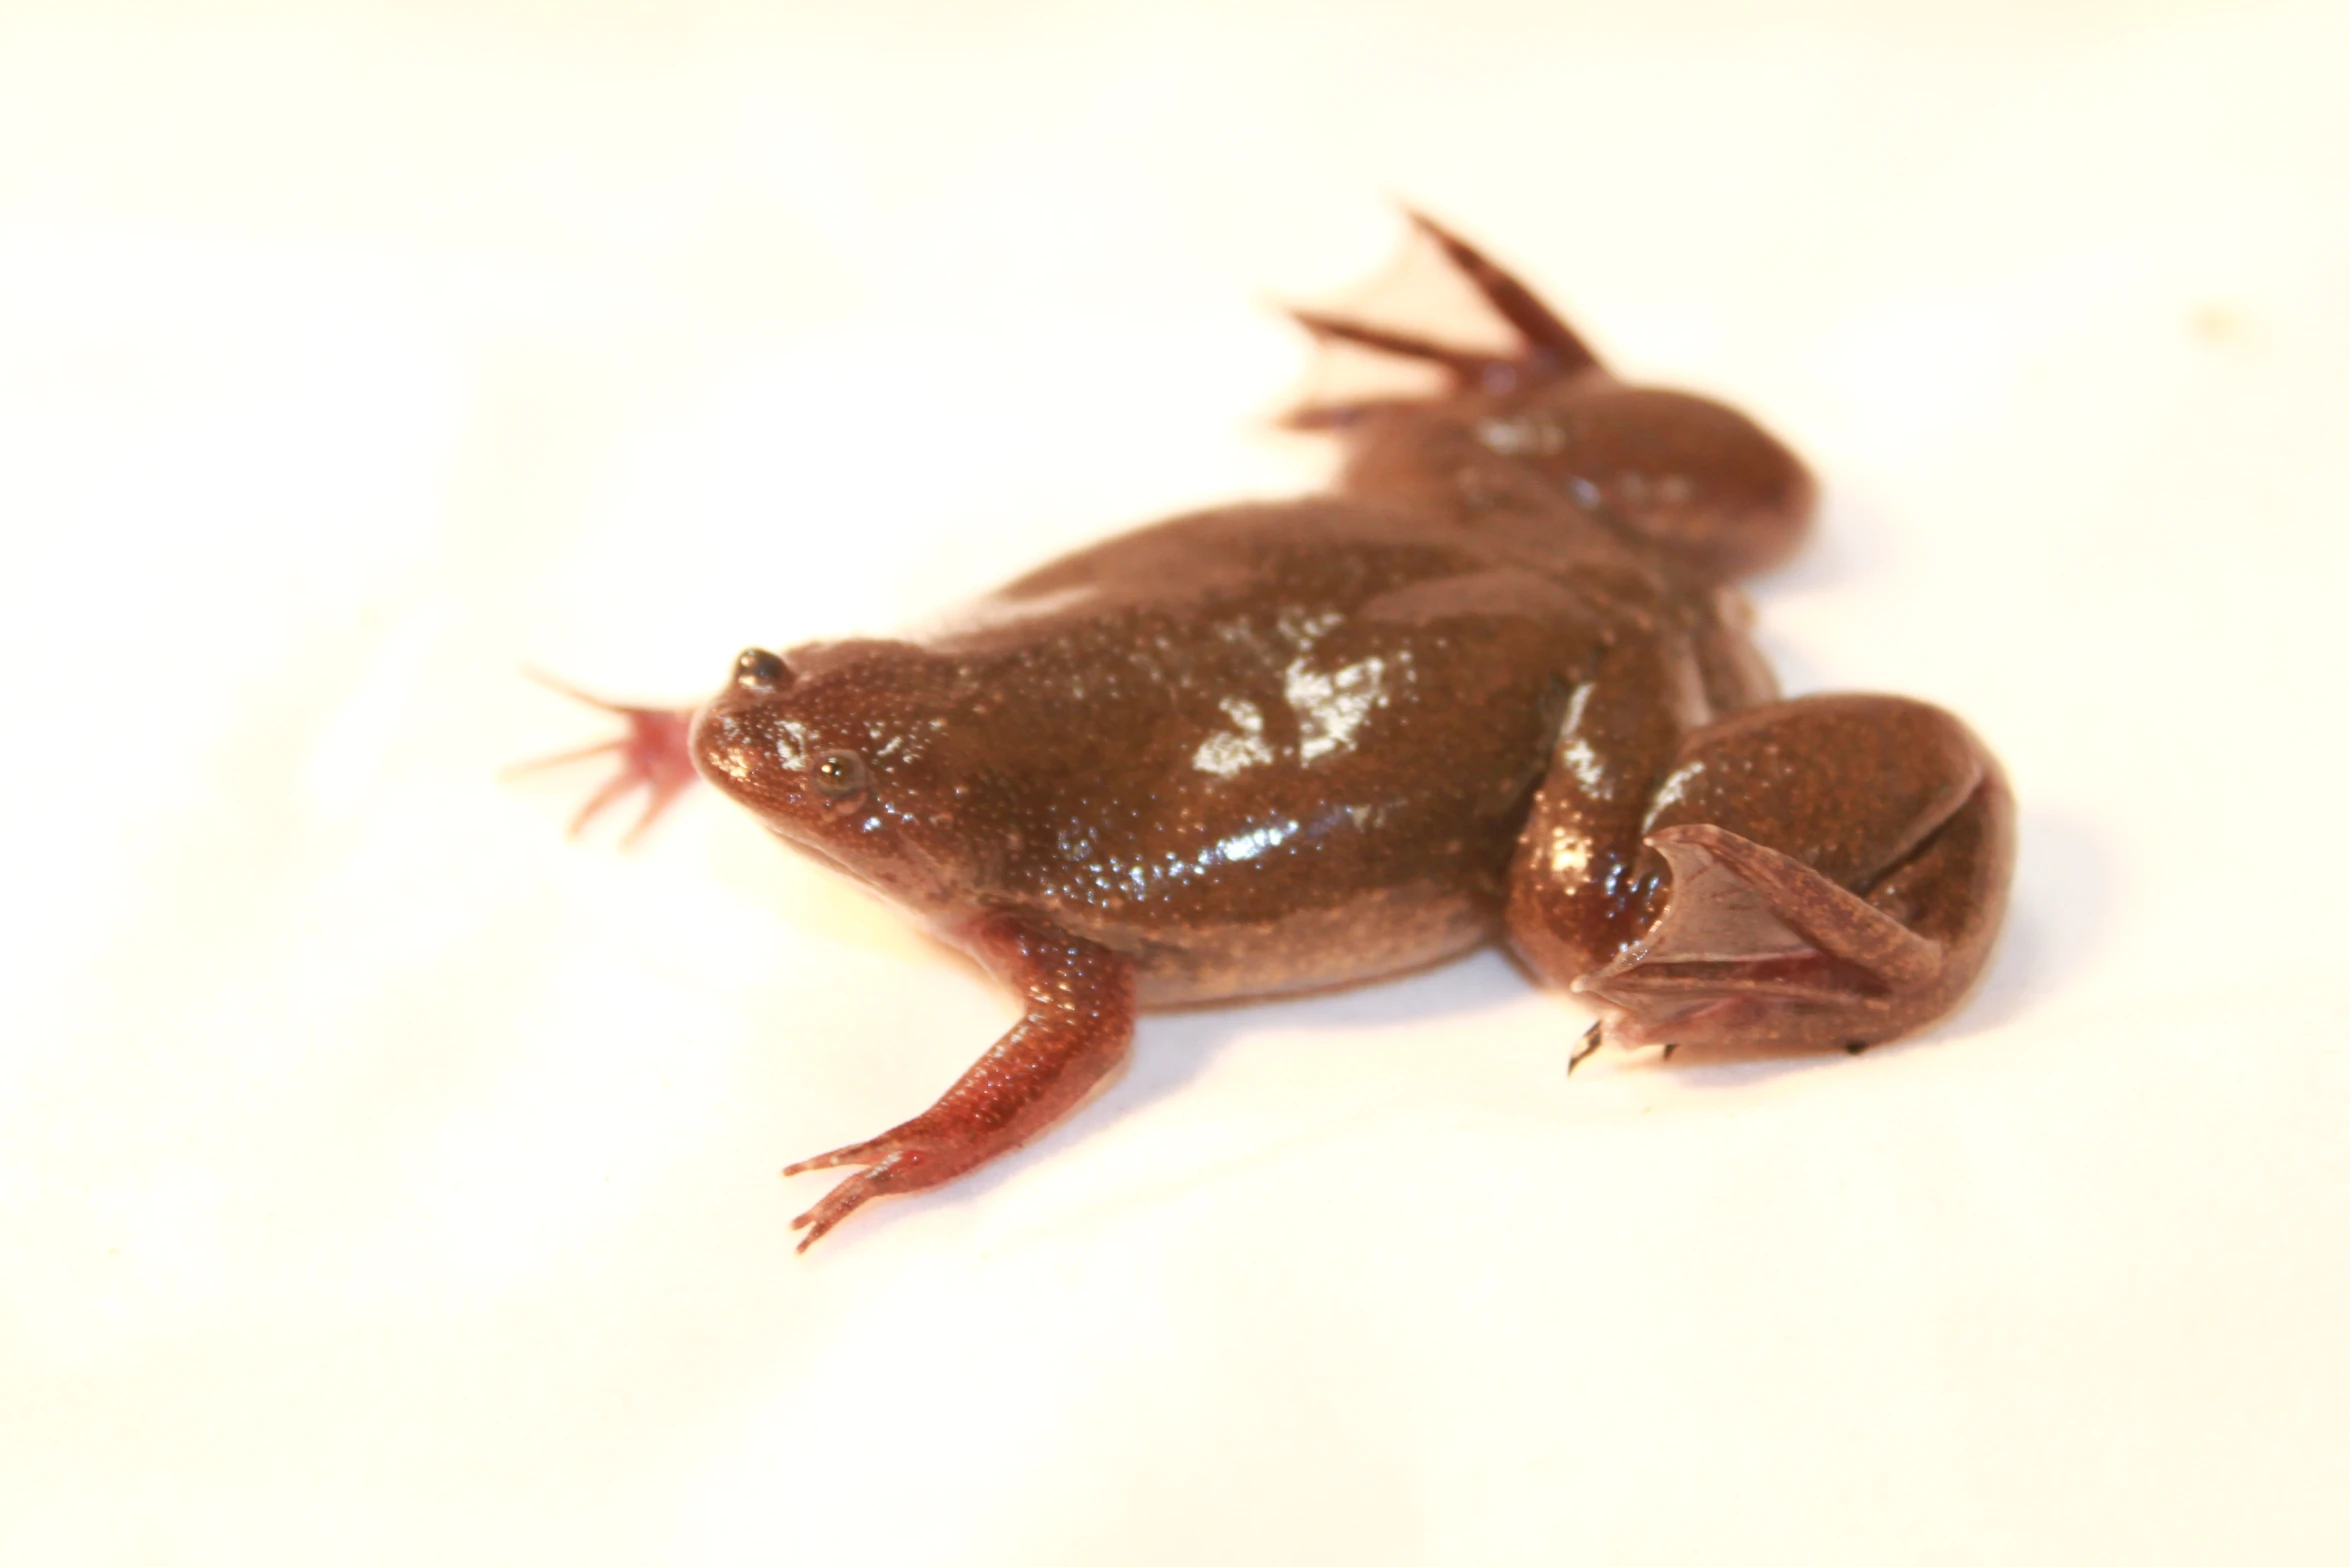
{"x":755,"y":666}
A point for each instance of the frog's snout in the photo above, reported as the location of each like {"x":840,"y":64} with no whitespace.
{"x":741,"y":744}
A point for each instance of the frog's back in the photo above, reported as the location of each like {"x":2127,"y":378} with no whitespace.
{"x":1270,"y":747}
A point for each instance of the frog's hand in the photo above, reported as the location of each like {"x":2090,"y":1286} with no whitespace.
{"x":1547,"y":347}
{"x":1078,"y":1025}
{"x":652,"y":754}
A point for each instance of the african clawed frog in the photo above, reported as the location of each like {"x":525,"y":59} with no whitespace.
{"x":1492,"y":685}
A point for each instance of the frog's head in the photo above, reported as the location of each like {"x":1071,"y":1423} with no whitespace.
{"x":1701,"y":479}
{"x":828,"y":750}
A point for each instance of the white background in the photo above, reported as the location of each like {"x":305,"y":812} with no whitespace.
{"x":385,"y":1179}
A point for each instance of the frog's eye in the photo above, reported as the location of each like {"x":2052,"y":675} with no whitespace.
{"x":755,"y":666}
{"x":839,"y":775}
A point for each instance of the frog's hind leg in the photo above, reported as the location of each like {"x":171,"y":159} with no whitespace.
{"x":1757,"y":947}
{"x":1552,"y":348}
{"x":1548,"y":349}
{"x":1467,"y":367}
{"x":1832,"y":873}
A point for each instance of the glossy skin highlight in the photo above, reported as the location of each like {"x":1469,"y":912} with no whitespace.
{"x":1492,"y":686}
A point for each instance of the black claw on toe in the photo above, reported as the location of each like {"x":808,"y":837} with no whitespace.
{"x":1591,"y":1042}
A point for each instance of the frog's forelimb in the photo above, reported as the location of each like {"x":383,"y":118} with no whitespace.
{"x":652,"y":751}
{"x":1078,"y":1025}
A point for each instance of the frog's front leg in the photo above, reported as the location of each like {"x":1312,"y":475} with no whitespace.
{"x":652,"y":755}
{"x":1078,"y":1026}
{"x":1829,"y":871}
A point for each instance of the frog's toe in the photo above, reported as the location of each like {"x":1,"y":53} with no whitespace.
{"x":1467,"y":367}
{"x":1550,"y":346}
{"x":1757,"y":947}
{"x":1547,"y":349}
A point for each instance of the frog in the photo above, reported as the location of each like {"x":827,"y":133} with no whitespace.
{"x":1492,"y":685}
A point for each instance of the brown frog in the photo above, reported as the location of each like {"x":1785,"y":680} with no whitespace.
{"x":1492,"y":686}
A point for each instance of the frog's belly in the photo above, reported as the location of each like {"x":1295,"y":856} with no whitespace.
{"x":1373,"y":935}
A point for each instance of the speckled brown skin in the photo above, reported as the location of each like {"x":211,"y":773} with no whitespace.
{"x":1492,"y":686}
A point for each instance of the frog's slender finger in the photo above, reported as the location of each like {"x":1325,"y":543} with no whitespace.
{"x":657,"y":801}
{"x":613,"y":788}
{"x":834,"y":1206}
{"x":561,"y":758}
{"x":865,"y":1152}
{"x":903,"y":1169}
{"x":565,"y":688}
{"x":1552,"y":345}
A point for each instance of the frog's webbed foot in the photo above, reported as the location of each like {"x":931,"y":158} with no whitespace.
{"x":1758,"y":947}
{"x":1551,"y":346}
{"x":1828,"y":872}
{"x":653,"y":755}
{"x":1547,"y":347}
{"x":1078,"y":1024}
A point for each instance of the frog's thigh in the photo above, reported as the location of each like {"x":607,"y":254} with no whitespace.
{"x":1574,"y":898}
{"x":1834,"y":870}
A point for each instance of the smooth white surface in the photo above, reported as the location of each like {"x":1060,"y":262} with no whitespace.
{"x":384,"y":1179}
